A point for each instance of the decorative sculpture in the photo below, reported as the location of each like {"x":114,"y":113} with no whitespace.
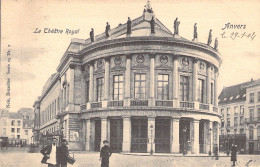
{"x":91,"y":34}
{"x":152,"y":23}
{"x":176,"y":26}
{"x":129,"y":26}
{"x":107,"y":29}
{"x":216,"y":44}
{"x":210,"y":37}
{"x":195,"y":34}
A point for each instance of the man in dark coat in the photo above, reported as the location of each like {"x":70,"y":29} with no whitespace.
{"x":63,"y":153}
{"x":51,"y":154}
{"x":234,"y":154}
{"x":105,"y":153}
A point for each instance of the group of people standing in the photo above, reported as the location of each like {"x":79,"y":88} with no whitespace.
{"x":56,"y":156}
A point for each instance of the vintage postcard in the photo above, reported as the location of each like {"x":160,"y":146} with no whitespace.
{"x":141,"y":83}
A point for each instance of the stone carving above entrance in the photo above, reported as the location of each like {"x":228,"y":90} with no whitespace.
{"x":140,"y":59}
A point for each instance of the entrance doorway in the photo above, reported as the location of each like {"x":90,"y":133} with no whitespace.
{"x":184,"y":134}
{"x":202,"y":137}
{"x":162,"y":135}
{"x":251,"y":148}
{"x":139,"y":135}
{"x":116,"y":134}
{"x":97,"y":135}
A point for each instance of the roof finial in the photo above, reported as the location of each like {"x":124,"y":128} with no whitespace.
{"x":148,"y":7}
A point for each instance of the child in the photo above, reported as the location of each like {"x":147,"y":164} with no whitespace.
{"x":105,"y":153}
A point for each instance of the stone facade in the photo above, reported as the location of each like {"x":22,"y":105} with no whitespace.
{"x":141,"y":91}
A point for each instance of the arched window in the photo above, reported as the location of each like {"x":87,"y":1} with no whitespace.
{"x":251,"y":133}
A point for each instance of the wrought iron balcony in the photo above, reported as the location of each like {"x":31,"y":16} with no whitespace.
{"x":139,"y":102}
{"x":252,"y":120}
{"x":115,"y":103}
{"x":186,"y":104}
{"x":96,"y":105}
{"x":164,"y":103}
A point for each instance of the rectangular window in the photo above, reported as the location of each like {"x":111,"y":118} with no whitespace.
{"x":251,"y":114}
{"x":242,"y":110}
{"x":58,"y":104}
{"x":118,"y":87}
{"x":100,"y":89}
{"x":13,"y":123}
{"x":184,"y":88}
{"x":222,"y":112}
{"x":163,"y":87}
{"x":211,"y":93}
{"x":228,"y":111}
{"x":258,"y":94}
{"x":87,"y":92}
{"x":241,"y":121}
{"x":228,"y":121}
{"x":222,"y":124}
{"x":13,"y":130}
{"x":201,"y":86}
{"x":235,"y":121}
{"x":241,"y":131}
{"x":18,"y":130}
{"x":18,"y":136}
{"x":252,"y":98}
{"x":236,"y":110}
{"x":4,"y":131}
{"x":140,"y":86}
{"x":258,"y":112}
{"x":18,"y":123}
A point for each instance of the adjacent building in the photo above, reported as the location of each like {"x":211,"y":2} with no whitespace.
{"x":17,"y":126}
{"x":141,"y":87}
{"x":240,"y":123}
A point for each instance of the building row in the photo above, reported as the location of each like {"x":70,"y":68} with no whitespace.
{"x":16,"y":127}
{"x":141,"y":87}
{"x":239,"y":106}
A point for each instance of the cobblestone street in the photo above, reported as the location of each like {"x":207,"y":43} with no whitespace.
{"x":18,"y":157}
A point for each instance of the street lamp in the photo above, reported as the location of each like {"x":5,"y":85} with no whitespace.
{"x":210,"y":131}
{"x":228,"y":142}
{"x":151,"y":151}
{"x":184,"y":140}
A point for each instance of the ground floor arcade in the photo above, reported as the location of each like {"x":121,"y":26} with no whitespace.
{"x":159,"y":134}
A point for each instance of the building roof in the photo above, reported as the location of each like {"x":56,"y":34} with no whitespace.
{"x":233,"y":93}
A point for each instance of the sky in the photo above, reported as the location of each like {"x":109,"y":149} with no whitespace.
{"x":35,"y":56}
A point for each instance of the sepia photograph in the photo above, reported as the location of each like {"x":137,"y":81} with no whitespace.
{"x":130,"y":83}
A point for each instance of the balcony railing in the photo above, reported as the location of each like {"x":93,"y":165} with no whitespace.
{"x":117,"y":103}
{"x":164,"y":103}
{"x":252,"y":120}
{"x":96,"y":105}
{"x":204,"y":106}
{"x":139,"y":103}
{"x":186,"y":104}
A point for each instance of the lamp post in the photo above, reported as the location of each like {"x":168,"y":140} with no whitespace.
{"x":151,"y":151}
{"x":228,"y":143}
{"x":210,"y":131}
{"x":184,"y":140}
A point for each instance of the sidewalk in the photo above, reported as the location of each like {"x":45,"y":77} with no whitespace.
{"x":174,"y":155}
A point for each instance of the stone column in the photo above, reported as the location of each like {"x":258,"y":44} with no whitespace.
{"x":106,"y":91}
{"x":176,"y":81}
{"x":88,"y":135}
{"x":217,"y":135}
{"x":208,"y":83}
{"x":216,"y":89}
{"x":152,"y":77}
{"x":195,"y":79}
{"x":175,"y":135}
{"x":151,"y":134}
{"x":126,"y":147}
{"x":196,"y":144}
{"x":71,"y":85}
{"x":211,"y":136}
{"x":103,"y":130}
{"x":127,"y":81}
{"x":91,"y":82}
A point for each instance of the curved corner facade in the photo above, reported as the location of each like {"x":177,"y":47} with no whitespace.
{"x":141,"y":93}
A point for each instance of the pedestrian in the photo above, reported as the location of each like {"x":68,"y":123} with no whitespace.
{"x":63,"y":153}
{"x":234,"y":154}
{"x":105,"y":153}
{"x":50,"y":154}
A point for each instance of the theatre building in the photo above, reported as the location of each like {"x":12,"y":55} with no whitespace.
{"x":142,"y":88}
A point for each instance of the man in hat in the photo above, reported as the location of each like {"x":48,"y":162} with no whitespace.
{"x":63,"y":153}
{"x":105,"y":153}
{"x":50,"y":154}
